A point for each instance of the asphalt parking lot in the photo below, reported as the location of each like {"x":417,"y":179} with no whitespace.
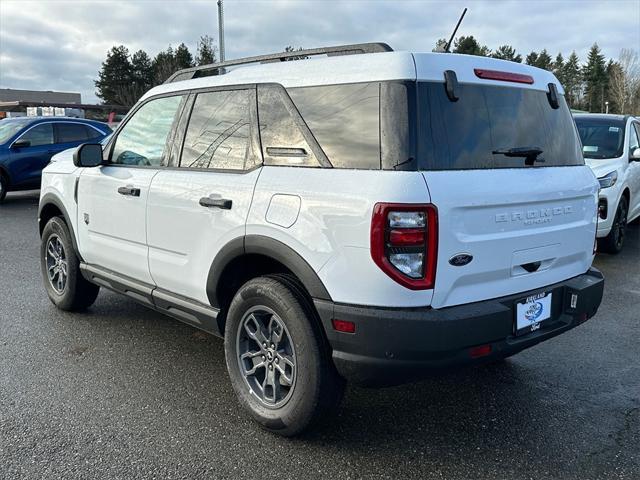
{"x":123,"y":392}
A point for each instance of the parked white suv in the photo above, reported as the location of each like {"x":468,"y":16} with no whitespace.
{"x":370,"y":216}
{"x":611,"y":148}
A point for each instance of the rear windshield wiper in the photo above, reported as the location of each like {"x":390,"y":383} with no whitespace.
{"x":530,"y":154}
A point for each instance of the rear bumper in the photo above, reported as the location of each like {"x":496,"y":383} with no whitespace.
{"x":398,"y":345}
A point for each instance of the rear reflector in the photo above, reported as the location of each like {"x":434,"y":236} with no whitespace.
{"x":503,"y":76}
{"x":343,"y":326}
{"x":480,"y":351}
{"x":406,"y":236}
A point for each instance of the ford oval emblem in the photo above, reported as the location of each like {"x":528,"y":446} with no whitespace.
{"x":461,"y":259}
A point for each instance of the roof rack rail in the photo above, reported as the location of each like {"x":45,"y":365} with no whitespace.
{"x":218,"y":68}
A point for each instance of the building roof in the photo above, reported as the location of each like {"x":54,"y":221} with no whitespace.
{"x":13,"y":95}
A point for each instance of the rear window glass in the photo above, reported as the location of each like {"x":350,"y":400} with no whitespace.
{"x":465,"y":134}
{"x":344,"y":119}
{"x":601,"y":138}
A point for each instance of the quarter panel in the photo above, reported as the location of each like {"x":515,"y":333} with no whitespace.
{"x":332,"y":229}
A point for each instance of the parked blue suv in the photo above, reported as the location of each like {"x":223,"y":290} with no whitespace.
{"x":28,"y":143}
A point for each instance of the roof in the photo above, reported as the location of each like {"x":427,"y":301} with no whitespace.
{"x":603,"y":116}
{"x":29,"y":119}
{"x":12,"y":94}
{"x":9,"y":105}
{"x":369,"y":67}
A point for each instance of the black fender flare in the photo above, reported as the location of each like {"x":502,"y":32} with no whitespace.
{"x":269,"y":247}
{"x":51,"y":199}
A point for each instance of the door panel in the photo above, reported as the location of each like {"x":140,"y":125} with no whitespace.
{"x":194,"y":211}
{"x":184,"y":236}
{"x":112,"y":199}
{"x":111,"y":225}
{"x":27,"y":162}
{"x":634,"y":172}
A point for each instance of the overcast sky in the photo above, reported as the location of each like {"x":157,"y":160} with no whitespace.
{"x":59,"y":45}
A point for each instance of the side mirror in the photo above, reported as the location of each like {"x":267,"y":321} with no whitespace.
{"x":635,"y":155}
{"x":88,"y":155}
{"x":21,"y":144}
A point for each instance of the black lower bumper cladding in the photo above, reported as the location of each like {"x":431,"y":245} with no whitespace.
{"x":398,"y":345}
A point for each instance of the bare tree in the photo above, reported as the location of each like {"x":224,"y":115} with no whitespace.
{"x":624,"y":83}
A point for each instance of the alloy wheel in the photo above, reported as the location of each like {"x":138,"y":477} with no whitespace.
{"x":266,"y":356}
{"x":57,"y":267}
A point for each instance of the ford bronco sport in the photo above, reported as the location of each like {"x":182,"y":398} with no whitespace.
{"x":368,"y":216}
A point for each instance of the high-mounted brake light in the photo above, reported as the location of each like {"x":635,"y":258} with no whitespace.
{"x":503,"y":76}
{"x":404,"y":243}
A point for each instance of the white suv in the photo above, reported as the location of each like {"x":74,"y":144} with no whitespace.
{"x":370,"y":216}
{"x":611,"y":148}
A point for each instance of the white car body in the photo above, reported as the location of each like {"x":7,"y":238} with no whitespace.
{"x":628,"y":177}
{"x":518,"y":229}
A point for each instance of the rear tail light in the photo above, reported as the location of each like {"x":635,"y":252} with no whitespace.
{"x":404,"y":243}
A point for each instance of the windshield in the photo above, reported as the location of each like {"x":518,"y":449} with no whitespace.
{"x":601,"y":137}
{"x":493,"y":127}
{"x":8,"y":128}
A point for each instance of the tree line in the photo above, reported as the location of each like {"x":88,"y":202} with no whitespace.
{"x":124,"y":78}
{"x":594,"y":86}
{"x":588,"y":86}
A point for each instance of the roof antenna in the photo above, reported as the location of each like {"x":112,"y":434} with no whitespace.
{"x":446,"y":49}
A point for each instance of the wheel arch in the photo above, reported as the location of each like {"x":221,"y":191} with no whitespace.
{"x":51,"y":206}
{"x":254,"y":255}
{"x":5,"y":173}
{"x":626,"y":192}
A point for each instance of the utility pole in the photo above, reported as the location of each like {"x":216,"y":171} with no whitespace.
{"x":221,"y":29}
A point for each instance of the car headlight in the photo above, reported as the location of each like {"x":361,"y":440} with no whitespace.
{"x":608,"y":180}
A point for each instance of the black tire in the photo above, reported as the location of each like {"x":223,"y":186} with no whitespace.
{"x":316,"y":389}
{"x":4,"y":186}
{"x":614,"y":242}
{"x":75,"y":293}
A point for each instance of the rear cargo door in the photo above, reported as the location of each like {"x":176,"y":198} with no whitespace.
{"x":509,"y":221}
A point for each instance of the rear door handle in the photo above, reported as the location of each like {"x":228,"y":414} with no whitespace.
{"x":223,"y":203}
{"x":129,"y":190}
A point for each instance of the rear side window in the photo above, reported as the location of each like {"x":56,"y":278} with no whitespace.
{"x":39,"y":135}
{"x":465,"y":134}
{"x":142,"y":140}
{"x":219,"y":131}
{"x":92,"y":132}
{"x":344,"y":119}
{"x":71,"y":132}
{"x":282,"y":131}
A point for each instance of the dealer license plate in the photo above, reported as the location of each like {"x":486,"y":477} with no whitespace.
{"x":532,"y":311}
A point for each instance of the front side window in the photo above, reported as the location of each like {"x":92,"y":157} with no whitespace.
{"x":142,"y":140}
{"x":219,"y":131}
{"x":344,"y":119}
{"x":601,"y":137}
{"x":71,"y":132}
{"x":39,"y":135}
{"x":8,"y":128}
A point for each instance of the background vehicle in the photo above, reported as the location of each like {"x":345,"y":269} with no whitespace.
{"x":367,"y":217}
{"x":28,"y":143}
{"x":611,"y":147}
